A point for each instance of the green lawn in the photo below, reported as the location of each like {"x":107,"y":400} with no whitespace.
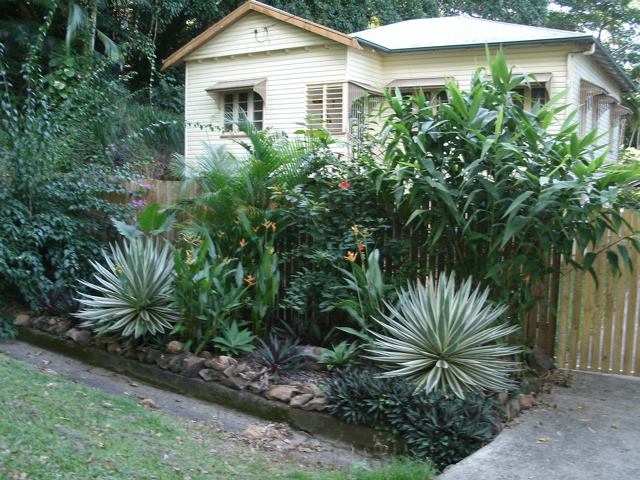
{"x":52,"y":428}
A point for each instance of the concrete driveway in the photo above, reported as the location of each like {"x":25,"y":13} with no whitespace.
{"x":590,"y":431}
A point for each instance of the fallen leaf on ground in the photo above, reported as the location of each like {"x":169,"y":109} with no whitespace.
{"x":147,"y":402}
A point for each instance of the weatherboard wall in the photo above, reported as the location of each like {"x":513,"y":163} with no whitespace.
{"x":290,"y":60}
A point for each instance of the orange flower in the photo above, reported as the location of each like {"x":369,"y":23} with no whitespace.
{"x":255,"y":229}
{"x":250,"y":280}
{"x":243,"y":242}
{"x":351,"y":256}
{"x":205,"y":208}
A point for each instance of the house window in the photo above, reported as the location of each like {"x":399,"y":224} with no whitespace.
{"x":528,"y":96}
{"x":239,"y":100}
{"x":325,"y":107}
{"x":363,"y":101}
{"x":243,"y":105}
{"x":588,"y":113}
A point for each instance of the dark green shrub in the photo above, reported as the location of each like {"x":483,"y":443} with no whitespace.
{"x":7,"y":329}
{"x":437,"y":425}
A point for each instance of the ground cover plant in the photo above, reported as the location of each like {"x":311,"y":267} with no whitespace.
{"x":63,"y":429}
{"x":434,"y":425}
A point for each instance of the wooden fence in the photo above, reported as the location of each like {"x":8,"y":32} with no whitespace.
{"x":590,"y":325}
{"x":599,"y":324}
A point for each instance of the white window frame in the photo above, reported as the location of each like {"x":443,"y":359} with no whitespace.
{"x":235,"y":109}
{"x":325,"y":107}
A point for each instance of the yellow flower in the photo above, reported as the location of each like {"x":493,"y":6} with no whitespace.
{"x":351,"y":256}
{"x":251,"y":281}
{"x":221,"y":233}
{"x":355,"y":229}
{"x":119,"y":268}
{"x":273,"y":226}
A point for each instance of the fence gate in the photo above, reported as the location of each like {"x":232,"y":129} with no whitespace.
{"x":599,"y":328}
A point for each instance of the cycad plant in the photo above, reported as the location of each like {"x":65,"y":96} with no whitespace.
{"x":135,"y":292}
{"x":443,"y":338}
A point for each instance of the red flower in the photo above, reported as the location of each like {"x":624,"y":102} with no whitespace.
{"x":345,"y":185}
{"x":361,"y":247}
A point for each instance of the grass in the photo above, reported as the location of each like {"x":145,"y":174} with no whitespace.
{"x":52,"y":428}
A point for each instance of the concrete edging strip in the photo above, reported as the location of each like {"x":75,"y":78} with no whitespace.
{"x":311,"y":422}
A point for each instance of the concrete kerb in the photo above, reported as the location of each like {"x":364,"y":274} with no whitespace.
{"x":312,"y":422}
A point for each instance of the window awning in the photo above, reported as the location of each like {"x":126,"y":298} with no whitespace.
{"x":539,"y":78}
{"x":367,"y":88}
{"x":434,"y":82}
{"x":258,"y":85}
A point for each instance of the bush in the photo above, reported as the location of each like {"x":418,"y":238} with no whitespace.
{"x":436,"y":425}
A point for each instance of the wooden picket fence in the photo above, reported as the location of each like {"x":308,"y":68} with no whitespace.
{"x":599,"y":323}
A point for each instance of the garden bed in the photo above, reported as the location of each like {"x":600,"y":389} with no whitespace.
{"x":297,"y":399}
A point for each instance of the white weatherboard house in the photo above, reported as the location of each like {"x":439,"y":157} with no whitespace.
{"x":280,"y":69}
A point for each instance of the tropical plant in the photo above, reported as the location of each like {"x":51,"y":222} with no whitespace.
{"x":443,"y":339}
{"x":367,"y":283}
{"x":208,"y":288}
{"x":235,"y":341}
{"x":279,"y":356}
{"x":135,"y":292}
{"x":436,"y":425}
{"x":496,"y":190}
{"x":152,"y":221}
{"x":340,"y":355}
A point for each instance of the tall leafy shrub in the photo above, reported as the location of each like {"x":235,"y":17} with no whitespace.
{"x":49,"y":222}
{"x":498,"y":189}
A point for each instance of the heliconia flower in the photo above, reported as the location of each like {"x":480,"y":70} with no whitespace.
{"x":205,"y":208}
{"x":344,"y":185}
{"x":243,"y":242}
{"x":351,"y":256}
{"x":355,"y":229}
{"x":361,"y":247}
{"x":251,"y":281}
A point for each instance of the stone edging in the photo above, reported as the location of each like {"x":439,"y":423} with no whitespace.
{"x":311,"y":422}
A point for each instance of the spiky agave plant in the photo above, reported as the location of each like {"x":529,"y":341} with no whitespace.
{"x":445,"y":339}
{"x":135,"y":287}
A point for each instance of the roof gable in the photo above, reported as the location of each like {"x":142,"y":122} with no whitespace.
{"x":253,"y":6}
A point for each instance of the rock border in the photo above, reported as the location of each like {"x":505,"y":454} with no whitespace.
{"x":315,"y":423}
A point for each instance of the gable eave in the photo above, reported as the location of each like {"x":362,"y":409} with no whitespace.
{"x":242,"y":11}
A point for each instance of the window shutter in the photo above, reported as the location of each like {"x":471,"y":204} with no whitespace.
{"x":325,"y":104}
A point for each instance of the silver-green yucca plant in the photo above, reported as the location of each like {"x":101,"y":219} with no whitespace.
{"x":445,"y":339}
{"x":135,"y":287}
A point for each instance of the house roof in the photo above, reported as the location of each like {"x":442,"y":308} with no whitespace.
{"x":454,"y":32}
{"x":242,"y":11}
{"x":441,"y":33}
